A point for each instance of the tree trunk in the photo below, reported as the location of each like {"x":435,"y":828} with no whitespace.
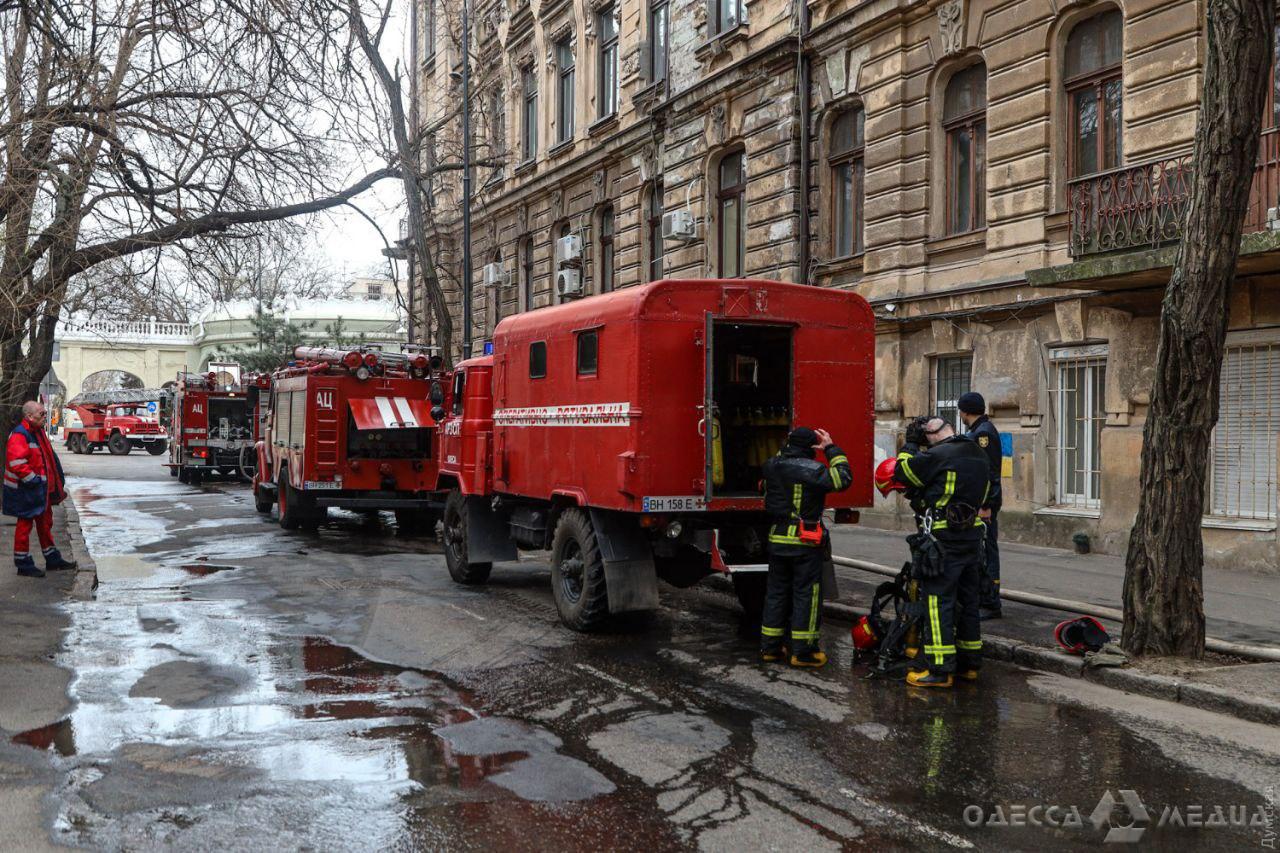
{"x":1163,"y":592}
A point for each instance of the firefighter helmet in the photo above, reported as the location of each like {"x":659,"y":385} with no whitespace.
{"x":865,"y":637}
{"x":884,"y":478}
{"x":1082,"y":634}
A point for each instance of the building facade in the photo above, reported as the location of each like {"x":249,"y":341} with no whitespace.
{"x":1004,"y":180}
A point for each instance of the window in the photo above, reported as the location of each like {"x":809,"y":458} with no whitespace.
{"x":606,"y":249}
{"x":1078,"y":403}
{"x":1242,"y":456}
{"x":564,"y":90}
{"x":494,"y":294}
{"x":588,"y":353}
{"x":526,"y":271}
{"x":375,"y":291}
{"x":964,"y":119}
{"x":430,"y":164}
{"x":848,"y":139}
{"x":952,"y":376}
{"x":653,"y":222}
{"x":538,"y":360}
{"x":725,"y":15}
{"x":529,"y":118}
{"x":607,"y":65}
{"x":429,"y":30}
{"x":459,"y":389}
{"x":659,"y":38}
{"x":1095,"y":94}
{"x":732,"y":219}
{"x":497,"y":126}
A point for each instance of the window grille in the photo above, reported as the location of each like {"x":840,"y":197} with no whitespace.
{"x":952,"y":376}
{"x":1079,"y":406}
{"x":1242,"y":456}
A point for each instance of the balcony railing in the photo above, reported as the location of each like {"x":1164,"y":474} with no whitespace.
{"x":1134,"y":207}
{"x":1145,"y":206}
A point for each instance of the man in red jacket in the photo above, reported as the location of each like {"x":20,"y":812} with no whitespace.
{"x":33,"y":485}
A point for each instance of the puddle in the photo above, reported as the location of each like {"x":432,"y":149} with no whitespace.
{"x":203,"y":569}
{"x":59,"y":737}
{"x":113,"y":567}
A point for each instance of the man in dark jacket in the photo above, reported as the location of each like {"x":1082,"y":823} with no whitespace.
{"x":33,"y":485}
{"x":795,"y":489}
{"x":950,"y":481}
{"x":984,"y":433}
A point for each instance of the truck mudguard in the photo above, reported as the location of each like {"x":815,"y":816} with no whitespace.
{"x":488,"y":536}
{"x":629,"y":572}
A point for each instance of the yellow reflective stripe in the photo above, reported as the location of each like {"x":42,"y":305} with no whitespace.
{"x":797,"y":492}
{"x":778,"y":539}
{"x":805,"y":635}
{"x":969,"y":645}
{"x":906,"y":469}
{"x":948,"y":490}
{"x":935,"y":630}
{"x":938,"y":651}
{"x":904,"y":455}
{"x":773,"y":632}
{"x":836,"y":460}
{"x":986,"y":490}
{"x":940,"y":525}
{"x":814,"y":604}
{"x":835,"y":477}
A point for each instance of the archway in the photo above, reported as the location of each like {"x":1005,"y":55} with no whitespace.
{"x":111,"y":380}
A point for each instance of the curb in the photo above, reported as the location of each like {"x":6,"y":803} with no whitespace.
{"x":86,"y":580}
{"x":1206,"y":697}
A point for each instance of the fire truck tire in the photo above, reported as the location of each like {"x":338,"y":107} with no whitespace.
{"x":577,"y":573}
{"x":262,"y":501}
{"x":155,"y":448}
{"x":455,"y":544}
{"x":196,"y":476}
{"x":173,"y":472}
{"x":76,"y":443}
{"x":750,"y":589}
{"x":118,"y":445}
{"x":295,"y":511}
{"x":184,"y":475}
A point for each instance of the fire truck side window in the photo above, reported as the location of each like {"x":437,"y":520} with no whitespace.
{"x":538,"y":360}
{"x":588,"y":353}
{"x":459,"y":386}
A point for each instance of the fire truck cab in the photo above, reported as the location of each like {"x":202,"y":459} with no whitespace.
{"x":626,"y":433}
{"x":120,"y":421}
{"x":351,"y":429}
{"x":210,"y":424}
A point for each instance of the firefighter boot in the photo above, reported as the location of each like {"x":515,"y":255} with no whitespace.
{"x":27,"y":566}
{"x":810,"y":658}
{"x":773,"y":655}
{"x":54,"y":562}
{"x":968,"y":674}
{"x":929,"y":679}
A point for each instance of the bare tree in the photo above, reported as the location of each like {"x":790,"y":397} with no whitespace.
{"x":127,"y":125}
{"x":1163,"y":592}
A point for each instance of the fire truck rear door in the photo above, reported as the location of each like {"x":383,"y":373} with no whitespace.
{"x":707,"y":425}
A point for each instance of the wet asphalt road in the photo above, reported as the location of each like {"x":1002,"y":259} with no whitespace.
{"x":238,"y":687}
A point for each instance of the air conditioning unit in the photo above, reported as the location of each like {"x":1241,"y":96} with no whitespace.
{"x":493,"y":275}
{"x":568,"y":283}
{"x":679,"y":225}
{"x":568,"y":249}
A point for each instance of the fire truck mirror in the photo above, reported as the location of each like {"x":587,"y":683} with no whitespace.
{"x":437,"y":397}
{"x":437,"y":413}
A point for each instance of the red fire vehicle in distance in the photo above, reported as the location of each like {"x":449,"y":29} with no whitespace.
{"x":117,"y":420}
{"x":626,"y":433}
{"x":351,"y":429}
{"x":210,"y":424}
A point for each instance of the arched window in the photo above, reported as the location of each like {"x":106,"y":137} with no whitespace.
{"x":846,"y":146}
{"x":964,"y":119}
{"x":526,"y":273}
{"x":606,"y":249}
{"x":495,"y":292}
{"x":1095,"y":94}
{"x":731,"y":219}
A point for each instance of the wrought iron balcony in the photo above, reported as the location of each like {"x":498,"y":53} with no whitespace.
{"x":1133,"y":207}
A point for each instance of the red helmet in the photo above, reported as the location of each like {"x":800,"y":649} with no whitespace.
{"x":884,"y":477}
{"x":864,"y":635}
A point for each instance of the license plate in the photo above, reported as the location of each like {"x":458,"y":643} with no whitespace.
{"x":312,"y":485}
{"x":677,"y":503}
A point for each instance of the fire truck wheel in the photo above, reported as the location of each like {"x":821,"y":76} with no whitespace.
{"x":294,"y":510}
{"x":76,"y":443}
{"x":119,"y":445}
{"x":750,"y":589}
{"x":155,"y":448}
{"x":184,"y":475}
{"x":173,"y":472}
{"x":262,"y":500}
{"x":196,"y":476}
{"x":455,"y":544}
{"x":577,"y":573}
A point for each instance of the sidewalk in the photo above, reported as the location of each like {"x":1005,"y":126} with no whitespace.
{"x":1239,"y":606}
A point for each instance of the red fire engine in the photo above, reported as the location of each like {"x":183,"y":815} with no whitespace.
{"x":210,"y":424}
{"x":117,"y":420}
{"x":626,"y":433}
{"x":351,"y":429}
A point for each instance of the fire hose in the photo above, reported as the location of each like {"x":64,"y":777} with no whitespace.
{"x":1267,"y":653}
{"x":248,"y":470}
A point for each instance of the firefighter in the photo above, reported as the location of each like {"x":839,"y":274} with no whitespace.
{"x":951,"y":479}
{"x":795,"y":489}
{"x":979,"y":427}
{"x":33,"y":485}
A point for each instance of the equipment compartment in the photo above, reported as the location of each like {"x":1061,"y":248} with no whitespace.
{"x":751,"y":392}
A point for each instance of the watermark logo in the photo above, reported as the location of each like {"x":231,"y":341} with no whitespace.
{"x":1104,"y":812}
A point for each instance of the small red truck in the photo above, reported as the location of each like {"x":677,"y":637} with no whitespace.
{"x":211,"y":425}
{"x":626,"y":432}
{"x":351,"y":429}
{"x":120,"y":421}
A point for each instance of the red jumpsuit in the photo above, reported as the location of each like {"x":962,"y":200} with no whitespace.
{"x":24,"y":461}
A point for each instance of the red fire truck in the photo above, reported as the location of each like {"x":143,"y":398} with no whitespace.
{"x":117,"y":420}
{"x":351,"y":429}
{"x":210,"y":424}
{"x":626,"y":433}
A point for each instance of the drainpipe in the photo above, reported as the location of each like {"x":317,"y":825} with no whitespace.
{"x":803,"y":85}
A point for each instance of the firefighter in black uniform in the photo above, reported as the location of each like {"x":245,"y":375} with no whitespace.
{"x":979,"y":427}
{"x":950,"y":479}
{"x":795,"y":489}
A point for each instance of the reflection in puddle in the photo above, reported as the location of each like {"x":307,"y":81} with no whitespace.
{"x":59,"y":736}
{"x":202,"y":569}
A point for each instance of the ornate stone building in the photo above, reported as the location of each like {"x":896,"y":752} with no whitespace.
{"x":1002,"y":179}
